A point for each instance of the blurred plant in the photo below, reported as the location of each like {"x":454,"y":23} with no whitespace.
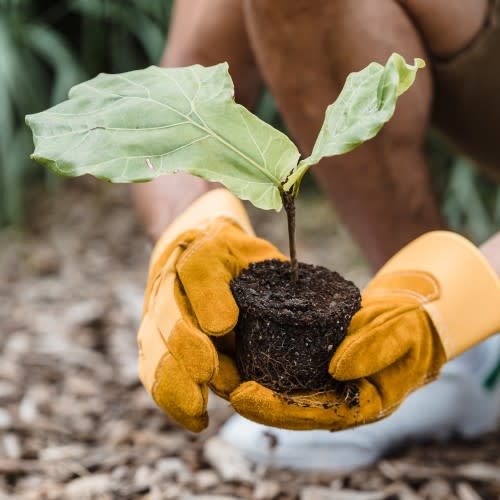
{"x":46,"y":47}
{"x":470,"y":202}
{"x":36,"y":67}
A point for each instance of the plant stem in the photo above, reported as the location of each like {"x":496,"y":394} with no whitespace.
{"x":289,"y":206}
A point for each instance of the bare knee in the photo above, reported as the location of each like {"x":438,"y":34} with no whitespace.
{"x":447,"y":26}
{"x":306,"y":58}
{"x":382,"y":189}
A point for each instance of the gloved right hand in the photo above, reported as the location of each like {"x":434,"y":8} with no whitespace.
{"x":433,"y":300}
{"x":185,"y":334}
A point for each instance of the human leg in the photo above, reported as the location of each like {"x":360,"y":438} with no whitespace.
{"x":305,"y":51}
{"x":205,"y":33}
{"x":447,"y":27}
{"x":467,"y":105}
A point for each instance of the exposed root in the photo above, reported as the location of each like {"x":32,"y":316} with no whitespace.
{"x":343,"y":394}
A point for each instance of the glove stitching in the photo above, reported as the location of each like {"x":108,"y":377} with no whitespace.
{"x":211,"y":233}
{"x":150,"y":295}
{"x":399,"y":292}
{"x":157,"y":263}
{"x":388,"y":409}
{"x":430,"y":377}
{"x":156,"y":376}
{"x":407,"y":291}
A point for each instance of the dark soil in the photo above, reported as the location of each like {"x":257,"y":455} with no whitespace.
{"x":287,"y":332}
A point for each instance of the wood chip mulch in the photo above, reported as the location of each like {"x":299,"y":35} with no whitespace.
{"x":75,"y":422}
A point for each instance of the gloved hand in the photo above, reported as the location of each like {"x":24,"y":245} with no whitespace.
{"x":433,"y":300}
{"x":189,"y":306}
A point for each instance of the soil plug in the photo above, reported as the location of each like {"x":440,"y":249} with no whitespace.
{"x":287,"y":333}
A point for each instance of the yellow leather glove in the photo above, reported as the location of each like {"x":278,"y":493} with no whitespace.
{"x":432,"y":301}
{"x":189,"y":306}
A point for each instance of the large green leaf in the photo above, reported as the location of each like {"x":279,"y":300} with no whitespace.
{"x":367,"y":101}
{"x":135,"y":126}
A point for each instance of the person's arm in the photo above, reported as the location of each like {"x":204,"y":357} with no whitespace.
{"x":491,"y":250}
{"x":205,"y":33}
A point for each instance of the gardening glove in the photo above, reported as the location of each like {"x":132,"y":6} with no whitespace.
{"x":189,"y":307}
{"x":432,"y":301}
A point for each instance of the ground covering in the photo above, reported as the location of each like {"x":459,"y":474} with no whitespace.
{"x":75,"y":422}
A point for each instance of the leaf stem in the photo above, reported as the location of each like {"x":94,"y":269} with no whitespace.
{"x":289,"y":206}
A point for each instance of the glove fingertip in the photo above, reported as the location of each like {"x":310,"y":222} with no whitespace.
{"x":344,"y":364}
{"x":221,"y":318}
{"x":195,"y":424}
{"x":179,"y":396}
{"x":227,"y":379}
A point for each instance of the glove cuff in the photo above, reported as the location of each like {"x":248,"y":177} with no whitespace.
{"x":467,"y":308}
{"x":216,"y":203}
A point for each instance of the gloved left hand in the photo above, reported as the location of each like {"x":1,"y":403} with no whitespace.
{"x":189,"y":312}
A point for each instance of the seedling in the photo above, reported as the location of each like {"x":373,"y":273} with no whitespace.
{"x":136,"y":126}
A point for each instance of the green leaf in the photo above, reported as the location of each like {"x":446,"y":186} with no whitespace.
{"x":135,"y":126}
{"x":367,"y":101}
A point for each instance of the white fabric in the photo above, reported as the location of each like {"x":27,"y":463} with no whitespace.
{"x":456,"y":403}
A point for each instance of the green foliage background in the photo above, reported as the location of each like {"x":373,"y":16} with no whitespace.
{"x":47,"y":46}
